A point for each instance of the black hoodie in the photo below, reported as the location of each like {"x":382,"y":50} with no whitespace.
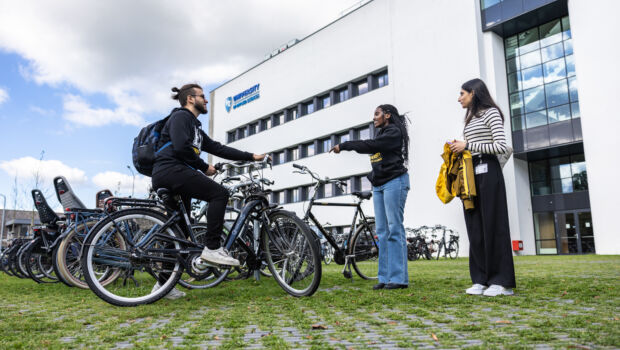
{"x":386,"y":154}
{"x":182,"y":139}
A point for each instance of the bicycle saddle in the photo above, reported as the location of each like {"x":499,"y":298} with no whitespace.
{"x":362,"y":194}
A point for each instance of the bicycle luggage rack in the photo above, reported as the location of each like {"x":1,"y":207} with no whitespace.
{"x":130,"y":202}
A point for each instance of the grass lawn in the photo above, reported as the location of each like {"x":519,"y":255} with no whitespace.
{"x":560,"y":302}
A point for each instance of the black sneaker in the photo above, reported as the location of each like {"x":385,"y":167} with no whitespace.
{"x":378,"y":286}
{"x":396,"y":286}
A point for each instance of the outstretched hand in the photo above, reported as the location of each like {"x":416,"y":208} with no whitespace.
{"x":335,"y":149}
{"x":260,"y":157}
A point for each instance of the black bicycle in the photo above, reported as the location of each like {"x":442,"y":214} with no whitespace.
{"x":450,"y":247}
{"x":361,"y":247}
{"x":153,"y":241}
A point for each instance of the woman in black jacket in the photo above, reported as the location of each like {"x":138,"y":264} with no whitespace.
{"x":389,"y":152}
{"x":178,"y":166}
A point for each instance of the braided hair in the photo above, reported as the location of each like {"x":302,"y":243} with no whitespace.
{"x":401,"y":122}
{"x":185,"y":91}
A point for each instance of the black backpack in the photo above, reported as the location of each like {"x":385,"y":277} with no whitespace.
{"x":145,"y":145}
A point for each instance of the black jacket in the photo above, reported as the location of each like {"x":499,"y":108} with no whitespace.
{"x":182,"y":139}
{"x":386,"y":154}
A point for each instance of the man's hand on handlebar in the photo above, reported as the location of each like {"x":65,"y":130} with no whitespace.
{"x":210,"y":170}
{"x":260,"y":157}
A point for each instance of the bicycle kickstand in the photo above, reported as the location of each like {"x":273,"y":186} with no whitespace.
{"x":346,"y":270}
{"x":129,"y":275}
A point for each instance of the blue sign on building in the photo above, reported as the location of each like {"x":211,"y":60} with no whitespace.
{"x":243,"y":98}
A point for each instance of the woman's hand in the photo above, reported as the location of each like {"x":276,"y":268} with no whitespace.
{"x":335,"y":149}
{"x":457,"y":146}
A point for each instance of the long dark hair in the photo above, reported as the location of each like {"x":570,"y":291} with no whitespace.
{"x":401,"y":122}
{"x":481,"y":100}
{"x":182,"y":93}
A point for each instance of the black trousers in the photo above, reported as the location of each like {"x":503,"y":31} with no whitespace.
{"x":189,"y":183}
{"x":490,"y":252}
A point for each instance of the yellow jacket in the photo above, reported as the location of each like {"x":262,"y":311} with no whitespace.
{"x":456,"y":178}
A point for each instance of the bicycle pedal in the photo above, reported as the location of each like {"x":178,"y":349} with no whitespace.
{"x":347,"y":274}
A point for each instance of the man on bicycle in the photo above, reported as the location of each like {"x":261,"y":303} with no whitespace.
{"x":179,"y":168}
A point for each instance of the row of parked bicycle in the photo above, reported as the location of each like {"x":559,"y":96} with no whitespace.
{"x":134,"y":251}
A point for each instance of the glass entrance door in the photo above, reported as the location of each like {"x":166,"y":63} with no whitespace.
{"x":574,"y":232}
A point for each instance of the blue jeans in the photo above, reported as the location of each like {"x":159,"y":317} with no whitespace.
{"x":389,"y":201}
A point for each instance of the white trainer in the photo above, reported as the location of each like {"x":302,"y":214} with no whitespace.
{"x":218,"y":256}
{"x":495,"y":290}
{"x":172,"y":294}
{"x":476,"y":289}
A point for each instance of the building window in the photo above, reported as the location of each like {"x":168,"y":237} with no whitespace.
{"x":293,"y":154}
{"x":278,"y":157}
{"x":342,"y":94}
{"x":344,"y":137}
{"x":325,"y":101}
{"x":361,"y":87}
{"x":365,"y":184}
{"x":275,"y":197}
{"x":265,"y":124}
{"x":308,"y":108}
{"x":308,"y":150}
{"x":253,"y":128}
{"x":325,"y":145}
{"x":541,"y":76}
{"x":363,"y":134}
{"x":558,"y":175}
{"x":381,"y":79}
{"x":279,"y":118}
{"x":242,"y":132}
{"x":232,"y":136}
{"x":326,"y":191}
{"x":292,"y":114}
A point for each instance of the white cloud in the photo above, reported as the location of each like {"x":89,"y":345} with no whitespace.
{"x":4,"y":96}
{"x":122,"y":183}
{"x":133,"y":52}
{"x":77,"y":110}
{"x":26,"y":168}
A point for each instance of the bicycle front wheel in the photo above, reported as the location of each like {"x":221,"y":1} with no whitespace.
{"x":292,"y":253}
{"x":133,"y":244}
{"x":365,"y":251}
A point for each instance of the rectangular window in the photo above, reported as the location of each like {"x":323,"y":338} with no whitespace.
{"x":275,"y":197}
{"x":232,"y":136}
{"x":344,"y":137}
{"x":292,"y":114}
{"x":308,"y":150}
{"x":362,"y":87}
{"x":253,"y":128}
{"x":278,"y":158}
{"x":308,"y":108}
{"x":305,"y":193}
{"x":343,"y":94}
{"x":265,"y":124}
{"x":363,"y":134}
{"x":326,"y":144}
{"x":325,"y":101}
{"x":242,"y":132}
{"x":328,"y":190}
{"x":293,"y":154}
{"x":365,"y":184}
{"x":381,"y":79}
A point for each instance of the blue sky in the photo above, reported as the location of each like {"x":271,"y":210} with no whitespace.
{"x":78,"y":79}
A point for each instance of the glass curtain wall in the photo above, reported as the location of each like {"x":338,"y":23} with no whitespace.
{"x":541,"y":75}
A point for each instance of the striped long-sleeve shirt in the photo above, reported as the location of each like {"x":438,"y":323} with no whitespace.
{"x":485,"y":134}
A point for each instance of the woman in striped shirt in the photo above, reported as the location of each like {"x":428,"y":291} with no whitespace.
{"x":490,"y":255}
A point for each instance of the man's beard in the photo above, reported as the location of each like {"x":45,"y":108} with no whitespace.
{"x":201,"y":108}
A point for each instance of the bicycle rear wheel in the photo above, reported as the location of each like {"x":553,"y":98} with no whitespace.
{"x":453,"y":249}
{"x":365,"y":251}
{"x":131,"y":242}
{"x":292,"y":253}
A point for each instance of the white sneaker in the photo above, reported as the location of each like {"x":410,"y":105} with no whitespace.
{"x":476,"y":289}
{"x":218,"y":256}
{"x":495,"y":290}
{"x":172,"y":294}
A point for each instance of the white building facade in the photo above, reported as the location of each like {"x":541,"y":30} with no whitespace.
{"x":415,"y":55}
